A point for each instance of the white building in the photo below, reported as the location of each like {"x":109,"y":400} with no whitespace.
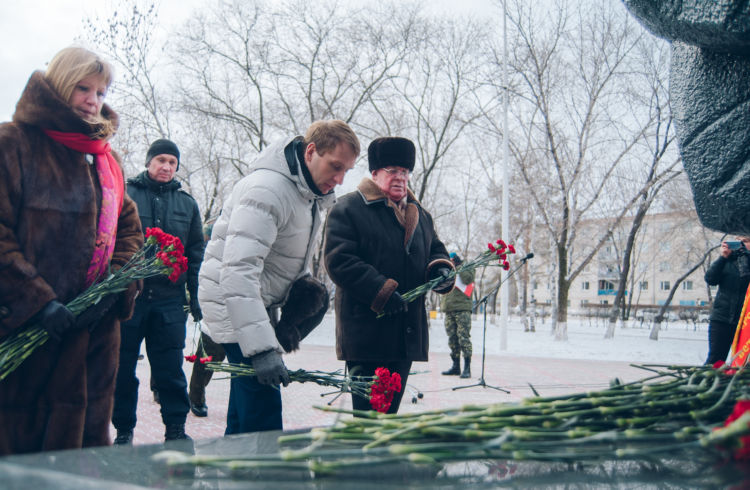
{"x":666,"y":247}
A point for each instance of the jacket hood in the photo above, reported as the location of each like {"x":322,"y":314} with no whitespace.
{"x":40,"y":105}
{"x":281,"y":158}
{"x":146,"y":182}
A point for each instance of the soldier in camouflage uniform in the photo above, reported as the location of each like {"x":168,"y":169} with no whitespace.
{"x":457,"y":306}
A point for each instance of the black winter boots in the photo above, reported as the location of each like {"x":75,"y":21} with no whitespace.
{"x":455,"y":370}
{"x":124,"y":437}
{"x":467,"y":368}
{"x":175,"y":432}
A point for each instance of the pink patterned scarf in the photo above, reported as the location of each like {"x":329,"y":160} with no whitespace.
{"x":111,"y":181}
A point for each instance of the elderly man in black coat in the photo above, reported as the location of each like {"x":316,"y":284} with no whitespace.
{"x":380,"y":243}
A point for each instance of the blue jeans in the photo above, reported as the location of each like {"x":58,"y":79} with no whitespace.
{"x":253,"y":407}
{"x":162,"y":324}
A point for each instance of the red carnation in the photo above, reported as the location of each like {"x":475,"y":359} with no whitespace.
{"x":506,"y":265}
{"x":491,"y":247}
{"x":192,"y":358}
{"x":501,"y":243}
{"x":204,"y":360}
{"x":383,"y":388}
{"x":511,"y":249}
{"x":719,"y":364}
{"x":743,"y":452}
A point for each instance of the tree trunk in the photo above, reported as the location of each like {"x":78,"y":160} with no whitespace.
{"x":561,"y":324}
{"x":654,"y":335}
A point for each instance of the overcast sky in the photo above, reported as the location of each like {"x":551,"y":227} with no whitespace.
{"x":32,"y":31}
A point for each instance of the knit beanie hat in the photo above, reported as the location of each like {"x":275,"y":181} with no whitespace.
{"x":391,"y":151}
{"x":160,"y":147}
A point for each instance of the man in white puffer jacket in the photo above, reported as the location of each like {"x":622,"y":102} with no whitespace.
{"x":261,"y":243}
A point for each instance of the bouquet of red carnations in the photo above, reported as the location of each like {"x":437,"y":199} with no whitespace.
{"x":161,"y":254}
{"x":498,"y":251}
{"x":379,"y":389}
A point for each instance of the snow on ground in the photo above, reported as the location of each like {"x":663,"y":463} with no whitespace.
{"x":679,"y":342}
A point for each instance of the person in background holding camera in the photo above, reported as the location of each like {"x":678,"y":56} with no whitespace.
{"x":457,"y":306}
{"x":731,"y":272}
{"x":379,"y":243}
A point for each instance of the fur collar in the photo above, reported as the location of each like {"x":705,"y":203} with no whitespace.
{"x":409,"y":220}
{"x":370,"y":192}
{"x":40,"y":106}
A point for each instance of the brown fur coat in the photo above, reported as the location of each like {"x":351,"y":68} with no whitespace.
{"x":61,"y":397}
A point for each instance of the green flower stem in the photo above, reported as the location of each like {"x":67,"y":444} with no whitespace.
{"x":673,"y":410}
{"x":722,"y":401}
{"x":19,"y":345}
{"x":730,"y":434}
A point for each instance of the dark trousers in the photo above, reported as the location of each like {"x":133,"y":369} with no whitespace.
{"x":162,"y":324}
{"x":720,"y":337}
{"x":201,"y":376}
{"x":361,"y":368}
{"x":253,"y":407}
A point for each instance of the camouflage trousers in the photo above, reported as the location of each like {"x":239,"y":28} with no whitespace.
{"x":458,"y":328}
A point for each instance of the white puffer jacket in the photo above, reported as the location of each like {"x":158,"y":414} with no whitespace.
{"x":260,"y":244}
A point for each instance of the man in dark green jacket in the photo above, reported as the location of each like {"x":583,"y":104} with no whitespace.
{"x":160,"y":315}
{"x":457,"y":307}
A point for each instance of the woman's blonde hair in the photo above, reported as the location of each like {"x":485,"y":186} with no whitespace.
{"x":73,"y":64}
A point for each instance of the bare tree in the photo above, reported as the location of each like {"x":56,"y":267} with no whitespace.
{"x":573,"y":71}
{"x":658,"y":141}
{"x":127,"y":37}
{"x":223,"y":57}
{"x":656,"y":327}
{"x":330,"y":63}
{"x":440,"y":93}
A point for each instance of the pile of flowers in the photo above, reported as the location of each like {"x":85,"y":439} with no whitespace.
{"x":161,"y":254}
{"x":697,"y":411}
{"x":379,"y":389}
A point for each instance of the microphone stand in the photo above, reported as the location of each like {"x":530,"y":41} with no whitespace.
{"x":483,"y":301}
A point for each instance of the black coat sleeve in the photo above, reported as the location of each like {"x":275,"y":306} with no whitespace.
{"x":344,"y":258}
{"x":715,"y":271}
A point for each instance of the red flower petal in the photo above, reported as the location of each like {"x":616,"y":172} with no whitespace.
{"x":511,"y":249}
{"x":191,"y":358}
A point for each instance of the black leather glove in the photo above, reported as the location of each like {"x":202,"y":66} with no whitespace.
{"x":270,"y":368}
{"x":395,"y":305}
{"x":91,"y":315}
{"x":446,"y":283}
{"x":195,"y":308}
{"x":55,"y":318}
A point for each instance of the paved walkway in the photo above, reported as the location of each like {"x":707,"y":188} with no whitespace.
{"x":427,"y":390}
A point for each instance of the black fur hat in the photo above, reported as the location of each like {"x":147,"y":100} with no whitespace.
{"x":162,"y":147}
{"x":303,"y":311}
{"x":391,"y":151}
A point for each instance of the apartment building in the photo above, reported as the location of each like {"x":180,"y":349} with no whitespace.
{"x":666,"y":247}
